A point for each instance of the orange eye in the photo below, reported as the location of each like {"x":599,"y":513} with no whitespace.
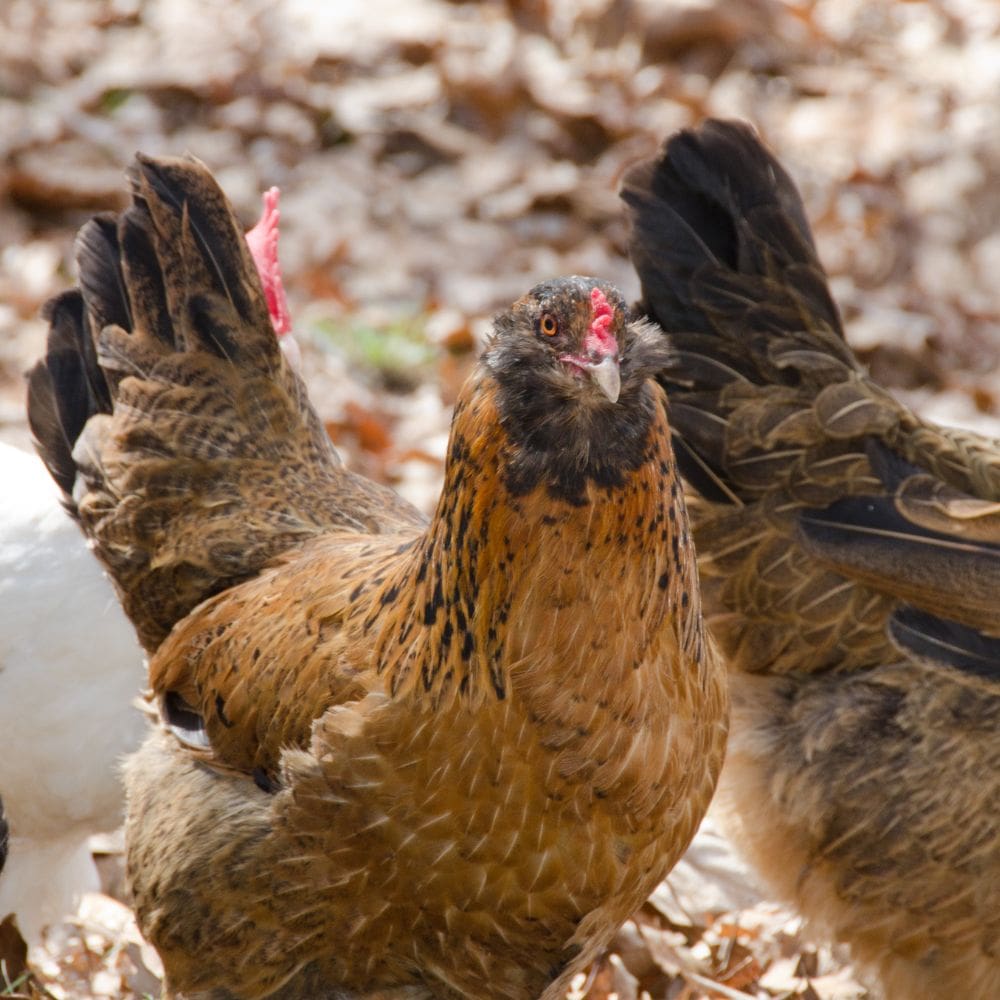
{"x":548,"y":325}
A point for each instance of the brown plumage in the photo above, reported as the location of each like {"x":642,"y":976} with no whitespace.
{"x":395,"y":759}
{"x":850,"y":563}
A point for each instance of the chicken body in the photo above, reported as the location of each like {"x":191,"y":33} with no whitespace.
{"x":850,"y":563}
{"x":396,"y":758}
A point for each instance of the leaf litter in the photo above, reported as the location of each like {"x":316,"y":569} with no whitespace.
{"x":435,"y":160}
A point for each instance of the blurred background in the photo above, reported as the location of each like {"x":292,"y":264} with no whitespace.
{"x":436,"y":159}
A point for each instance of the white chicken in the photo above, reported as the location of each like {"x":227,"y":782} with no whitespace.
{"x":70,"y":671}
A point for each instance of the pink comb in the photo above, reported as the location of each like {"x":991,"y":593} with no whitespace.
{"x":263,"y":243}
{"x":600,"y":339}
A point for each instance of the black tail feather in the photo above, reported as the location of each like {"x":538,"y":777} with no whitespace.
{"x":135,"y":274}
{"x":65,"y":389}
{"x":97,"y":253}
{"x":163,"y":390}
{"x":4,"y":837}
{"x":710,"y":217}
{"x":771,"y":410}
{"x":179,"y":235}
{"x":946,"y":643}
{"x":208,"y":219}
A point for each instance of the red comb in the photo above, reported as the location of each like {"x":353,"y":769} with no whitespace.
{"x":263,"y":243}
{"x":600,"y":339}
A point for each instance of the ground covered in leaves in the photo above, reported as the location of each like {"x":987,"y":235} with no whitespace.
{"x":437,"y":159}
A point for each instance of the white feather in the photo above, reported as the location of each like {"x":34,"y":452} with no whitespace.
{"x":70,"y":670}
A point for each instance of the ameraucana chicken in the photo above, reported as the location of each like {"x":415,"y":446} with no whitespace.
{"x":850,"y":564}
{"x":395,"y":758}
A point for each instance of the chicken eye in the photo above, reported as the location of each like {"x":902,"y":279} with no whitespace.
{"x":548,"y":325}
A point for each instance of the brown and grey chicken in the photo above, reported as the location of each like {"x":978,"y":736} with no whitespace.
{"x":850,"y":563}
{"x":395,"y":758}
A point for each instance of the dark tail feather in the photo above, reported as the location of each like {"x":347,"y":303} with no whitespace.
{"x":4,"y":837}
{"x":713,"y":217}
{"x":180,"y":235}
{"x":163,"y":388}
{"x":729,"y":271}
{"x":65,"y":389}
{"x":946,"y":643}
{"x":188,"y":202}
{"x":98,"y":252}
{"x":134,"y":270}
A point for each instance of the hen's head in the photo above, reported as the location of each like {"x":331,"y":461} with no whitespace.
{"x":573,"y":379}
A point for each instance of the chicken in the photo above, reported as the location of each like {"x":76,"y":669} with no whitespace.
{"x":69,"y":658}
{"x":70,"y":671}
{"x":850,"y":563}
{"x":395,"y":758}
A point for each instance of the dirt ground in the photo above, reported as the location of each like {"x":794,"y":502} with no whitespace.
{"x":437,"y":159}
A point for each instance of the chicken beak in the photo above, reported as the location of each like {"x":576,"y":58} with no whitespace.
{"x":607,"y":376}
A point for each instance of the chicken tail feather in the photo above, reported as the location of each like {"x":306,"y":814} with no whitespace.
{"x":183,"y":442}
{"x":803,"y":464}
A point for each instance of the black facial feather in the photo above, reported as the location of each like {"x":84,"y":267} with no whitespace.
{"x":564,"y":431}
